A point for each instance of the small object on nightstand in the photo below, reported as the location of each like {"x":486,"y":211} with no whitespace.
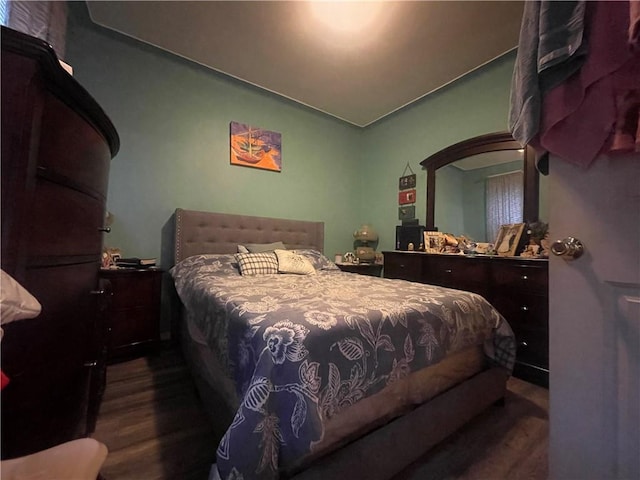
{"x":135,"y":262}
{"x":348,"y":257}
{"x":365,"y":241}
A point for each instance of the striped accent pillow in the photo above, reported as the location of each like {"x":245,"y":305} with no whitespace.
{"x":257,"y":263}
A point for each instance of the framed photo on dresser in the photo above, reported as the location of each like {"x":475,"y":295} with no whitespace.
{"x":433,"y":242}
{"x":508,"y":239}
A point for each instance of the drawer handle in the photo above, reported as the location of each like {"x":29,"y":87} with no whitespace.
{"x":524,"y":277}
{"x":97,"y":292}
{"x":401,"y":265}
{"x":524,"y":308}
{"x":448,"y":270}
{"x":523,"y":344}
{"x":105,"y":229}
{"x":90,"y":364}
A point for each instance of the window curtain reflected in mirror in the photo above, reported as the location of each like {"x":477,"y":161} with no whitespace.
{"x":46,"y":20}
{"x":504,"y":194}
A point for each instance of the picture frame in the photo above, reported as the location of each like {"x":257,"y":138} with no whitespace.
{"x":407,"y":196}
{"x":255,"y":147}
{"x":508,"y":239}
{"x":433,"y":242}
{"x":406,"y":182}
{"x":406,"y":212}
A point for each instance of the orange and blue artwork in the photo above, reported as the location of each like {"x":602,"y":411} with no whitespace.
{"x":255,"y":147}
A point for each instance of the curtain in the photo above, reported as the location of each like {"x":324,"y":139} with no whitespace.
{"x":46,"y":20}
{"x":504,"y":201}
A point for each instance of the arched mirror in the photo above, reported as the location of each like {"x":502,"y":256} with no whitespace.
{"x":472,"y":183}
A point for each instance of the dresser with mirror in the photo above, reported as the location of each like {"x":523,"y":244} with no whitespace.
{"x":457,"y":179}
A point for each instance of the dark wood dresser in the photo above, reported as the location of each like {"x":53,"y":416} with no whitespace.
{"x":57,"y":144}
{"x":517,"y":287}
{"x":133,"y":323}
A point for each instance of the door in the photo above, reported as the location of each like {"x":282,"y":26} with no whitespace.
{"x":594,"y":322}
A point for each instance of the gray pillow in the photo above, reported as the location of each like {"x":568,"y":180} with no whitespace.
{"x":261,"y":247}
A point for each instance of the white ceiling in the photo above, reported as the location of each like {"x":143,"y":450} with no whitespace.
{"x":487,"y":159}
{"x":403,"y":50}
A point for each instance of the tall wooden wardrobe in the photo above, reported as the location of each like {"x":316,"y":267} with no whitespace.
{"x":57,"y":144}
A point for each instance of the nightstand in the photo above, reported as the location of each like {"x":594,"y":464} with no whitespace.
{"x":134,"y":314}
{"x":371,"y":269}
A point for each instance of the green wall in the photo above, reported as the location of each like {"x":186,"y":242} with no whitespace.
{"x":476,"y":104}
{"x":173,"y":119}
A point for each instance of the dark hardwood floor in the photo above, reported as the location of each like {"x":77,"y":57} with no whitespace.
{"x":152,"y":423}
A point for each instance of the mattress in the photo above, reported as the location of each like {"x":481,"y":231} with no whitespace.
{"x":310,"y":361}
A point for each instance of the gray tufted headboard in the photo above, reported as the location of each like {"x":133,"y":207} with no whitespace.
{"x":207,"y":232}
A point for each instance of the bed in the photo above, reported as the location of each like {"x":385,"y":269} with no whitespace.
{"x":322,"y":373}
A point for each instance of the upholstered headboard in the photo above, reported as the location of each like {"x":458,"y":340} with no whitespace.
{"x":207,"y":232}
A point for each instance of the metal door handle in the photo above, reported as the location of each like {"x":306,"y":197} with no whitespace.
{"x":568,"y":248}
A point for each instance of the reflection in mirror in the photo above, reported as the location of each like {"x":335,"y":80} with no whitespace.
{"x":456,"y":185}
{"x":477,"y":194}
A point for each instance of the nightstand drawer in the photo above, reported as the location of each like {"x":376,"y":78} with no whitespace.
{"x":132,"y":326}
{"x":130,"y":291}
{"x":134,"y":314}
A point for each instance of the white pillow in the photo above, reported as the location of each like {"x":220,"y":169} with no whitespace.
{"x":15,"y":302}
{"x":290,"y":262}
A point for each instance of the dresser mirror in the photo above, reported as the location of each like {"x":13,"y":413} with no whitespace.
{"x":471,"y":184}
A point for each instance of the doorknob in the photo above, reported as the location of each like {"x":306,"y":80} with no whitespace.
{"x":568,"y":248}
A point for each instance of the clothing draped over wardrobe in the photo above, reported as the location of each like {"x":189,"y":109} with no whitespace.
{"x":576,"y":84}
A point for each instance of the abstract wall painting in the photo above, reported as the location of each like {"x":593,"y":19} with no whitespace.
{"x":255,"y":147}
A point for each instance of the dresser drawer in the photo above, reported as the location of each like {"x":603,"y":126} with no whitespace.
{"x":530,"y":309}
{"x":64,"y":222}
{"x":58,"y":338}
{"x":405,"y":266}
{"x":71,"y":150}
{"x":528,"y":317}
{"x":533,"y":346}
{"x":526,"y":278}
{"x":457,"y":272}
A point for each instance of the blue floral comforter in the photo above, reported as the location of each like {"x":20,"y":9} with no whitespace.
{"x":300,"y":348}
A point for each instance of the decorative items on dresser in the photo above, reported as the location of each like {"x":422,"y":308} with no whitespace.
{"x":133,"y":322}
{"x":57,"y":144}
{"x":516,"y":286}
